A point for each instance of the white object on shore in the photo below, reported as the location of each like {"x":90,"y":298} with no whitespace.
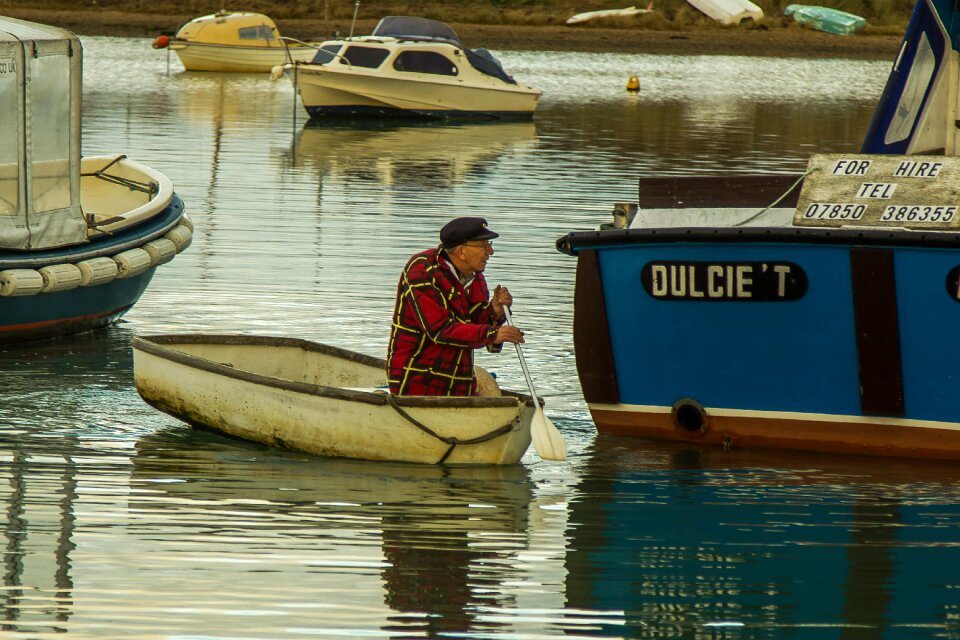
{"x":728,"y":11}
{"x":608,"y":13}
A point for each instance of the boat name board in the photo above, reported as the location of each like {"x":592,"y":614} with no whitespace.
{"x":913,"y":192}
{"x":8,"y":66}
{"x":724,"y":281}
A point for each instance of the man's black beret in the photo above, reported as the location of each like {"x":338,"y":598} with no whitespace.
{"x":460,"y":230}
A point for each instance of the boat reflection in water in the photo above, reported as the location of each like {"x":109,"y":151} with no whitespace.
{"x":423,"y":527}
{"x":38,"y":529}
{"x":400,"y":153}
{"x":49,"y":442}
{"x":681,"y":539}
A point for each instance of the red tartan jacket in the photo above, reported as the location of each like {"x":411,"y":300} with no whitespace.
{"x":437,"y":324}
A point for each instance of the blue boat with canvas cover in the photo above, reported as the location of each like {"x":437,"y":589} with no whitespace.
{"x":807,"y":312}
{"x":80,"y":239}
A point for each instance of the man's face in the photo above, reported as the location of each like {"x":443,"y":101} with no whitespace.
{"x":475,"y":254}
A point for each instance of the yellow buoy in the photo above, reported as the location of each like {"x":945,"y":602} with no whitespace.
{"x":633,"y":84}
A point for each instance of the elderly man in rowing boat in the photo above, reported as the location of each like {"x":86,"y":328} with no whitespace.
{"x":444,"y":311}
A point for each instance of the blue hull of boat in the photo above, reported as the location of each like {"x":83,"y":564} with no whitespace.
{"x":792,"y":356}
{"x":45,"y":315}
{"x":695,"y":335}
{"x":82,"y":309}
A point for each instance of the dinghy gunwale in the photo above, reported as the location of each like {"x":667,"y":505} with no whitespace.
{"x":160,"y":346}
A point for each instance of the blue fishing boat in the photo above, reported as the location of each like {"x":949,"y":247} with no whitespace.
{"x":806,"y":312}
{"x":80,"y":238}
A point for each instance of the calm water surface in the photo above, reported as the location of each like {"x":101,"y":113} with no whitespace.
{"x":122,"y":522}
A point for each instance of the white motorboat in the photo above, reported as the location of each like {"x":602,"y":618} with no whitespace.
{"x":408,"y":66}
{"x":319,"y":399}
{"x":234,"y":41}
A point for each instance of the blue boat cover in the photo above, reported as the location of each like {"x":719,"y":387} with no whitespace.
{"x":484,"y":62}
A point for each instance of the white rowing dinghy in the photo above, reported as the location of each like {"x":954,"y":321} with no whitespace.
{"x":320,"y":399}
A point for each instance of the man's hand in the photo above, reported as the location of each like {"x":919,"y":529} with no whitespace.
{"x":508,"y":333}
{"x":501,"y":297}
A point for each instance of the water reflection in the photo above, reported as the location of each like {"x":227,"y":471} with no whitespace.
{"x":38,"y":528}
{"x":687,"y":540}
{"x":440,"y":536}
{"x":404,"y":154}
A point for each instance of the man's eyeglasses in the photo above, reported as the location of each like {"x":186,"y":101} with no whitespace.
{"x":480,"y":244}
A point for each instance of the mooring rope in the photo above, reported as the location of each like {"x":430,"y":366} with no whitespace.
{"x":452,"y":441}
{"x":778,"y":200}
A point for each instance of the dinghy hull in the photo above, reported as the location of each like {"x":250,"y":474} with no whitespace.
{"x":319,"y":399}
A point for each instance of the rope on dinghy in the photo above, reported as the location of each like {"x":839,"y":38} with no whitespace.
{"x":452,"y":441}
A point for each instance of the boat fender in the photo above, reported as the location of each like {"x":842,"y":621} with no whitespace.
{"x":161,"y":42}
{"x":131,"y":263}
{"x":633,"y":84}
{"x":20,"y":282}
{"x":689,"y":415}
{"x":60,"y":277}
{"x":181,"y":236}
{"x":186,"y":221}
{"x":161,"y":251}
{"x":97,"y":271}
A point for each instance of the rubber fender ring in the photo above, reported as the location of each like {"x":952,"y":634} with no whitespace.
{"x":689,"y":415}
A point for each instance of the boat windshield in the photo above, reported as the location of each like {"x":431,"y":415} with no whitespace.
{"x":369,"y":57}
{"x":407,"y":27}
{"x":261,"y":32}
{"x":326,"y":53}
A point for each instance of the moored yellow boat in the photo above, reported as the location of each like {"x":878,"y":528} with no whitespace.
{"x":234,"y":41}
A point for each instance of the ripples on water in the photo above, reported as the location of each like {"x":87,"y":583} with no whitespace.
{"x":122,"y":522}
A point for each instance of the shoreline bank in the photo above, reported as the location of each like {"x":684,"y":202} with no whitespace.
{"x":787,"y":42}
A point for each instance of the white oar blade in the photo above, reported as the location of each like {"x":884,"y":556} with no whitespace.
{"x":546,"y":437}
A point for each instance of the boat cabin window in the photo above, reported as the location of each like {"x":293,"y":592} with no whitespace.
{"x":326,"y":54}
{"x":364,"y":56}
{"x":914,"y":91}
{"x":262,"y":32}
{"x":425,"y":62}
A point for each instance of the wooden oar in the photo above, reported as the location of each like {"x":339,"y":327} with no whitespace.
{"x":546,"y":437}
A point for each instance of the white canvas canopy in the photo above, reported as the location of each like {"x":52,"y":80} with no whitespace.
{"x":40,"y":85}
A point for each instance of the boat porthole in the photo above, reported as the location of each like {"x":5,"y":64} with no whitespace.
{"x":689,"y":415}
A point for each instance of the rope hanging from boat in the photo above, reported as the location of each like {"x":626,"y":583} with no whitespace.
{"x":150,"y":188}
{"x":778,"y":200}
{"x":452,"y":441}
